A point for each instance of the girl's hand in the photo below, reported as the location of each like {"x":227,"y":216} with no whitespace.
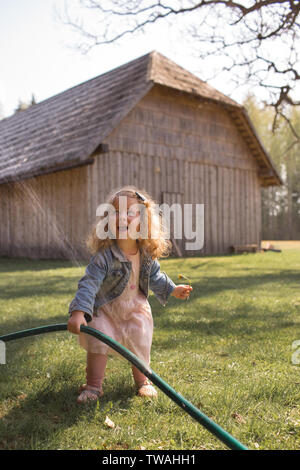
{"x":75,"y":321}
{"x":182,"y":291}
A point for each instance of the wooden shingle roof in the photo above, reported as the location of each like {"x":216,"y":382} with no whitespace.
{"x":65,"y":130}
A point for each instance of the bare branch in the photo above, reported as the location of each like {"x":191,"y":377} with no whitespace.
{"x":239,"y":34}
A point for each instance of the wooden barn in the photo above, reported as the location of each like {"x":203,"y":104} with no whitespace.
{"x":149,"y":123}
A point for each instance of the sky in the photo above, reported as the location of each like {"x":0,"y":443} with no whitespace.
{"x":36,"y":57}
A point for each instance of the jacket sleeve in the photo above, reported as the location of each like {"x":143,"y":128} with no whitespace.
{"x":88,"y":286}
{"x":160,"y":283}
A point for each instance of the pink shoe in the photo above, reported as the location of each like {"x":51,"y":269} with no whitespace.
{"x":89,"y":394}
{"x":147,"y":390}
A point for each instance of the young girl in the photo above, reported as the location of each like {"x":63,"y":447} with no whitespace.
{"x":112,"y":295}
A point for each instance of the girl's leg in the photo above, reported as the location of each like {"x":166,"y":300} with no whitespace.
{"x":95,"y":369}
{"x":95,"y":373}
{"x":143,"y":384}
{"x":138,"y":376}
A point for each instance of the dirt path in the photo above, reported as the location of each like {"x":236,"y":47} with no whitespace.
{"x":282,"y":244}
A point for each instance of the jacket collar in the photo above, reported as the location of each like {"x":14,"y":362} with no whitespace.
{"x":118,"y":253}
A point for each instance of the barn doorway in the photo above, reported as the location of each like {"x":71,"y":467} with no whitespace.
{"x":176,"y":223}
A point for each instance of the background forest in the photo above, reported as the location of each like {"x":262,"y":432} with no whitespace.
{"x":280,"y":205}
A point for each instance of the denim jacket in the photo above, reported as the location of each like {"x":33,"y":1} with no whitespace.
{"x":107,"y":275}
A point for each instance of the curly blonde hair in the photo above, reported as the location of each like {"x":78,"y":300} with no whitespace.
{"x":158,"y":247}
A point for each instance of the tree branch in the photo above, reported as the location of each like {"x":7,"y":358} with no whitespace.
{"x":240,"y":32}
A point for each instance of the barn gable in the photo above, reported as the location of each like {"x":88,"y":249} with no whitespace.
{"x":184,"y":150}
{"x":65,"y":131}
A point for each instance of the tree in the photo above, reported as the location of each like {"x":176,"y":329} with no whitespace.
{"x":252,"y":41}
{"x":22,"y":106}
{"x":280,"y":205}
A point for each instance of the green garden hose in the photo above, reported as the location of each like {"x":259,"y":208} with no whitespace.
{"x":188,"y":407}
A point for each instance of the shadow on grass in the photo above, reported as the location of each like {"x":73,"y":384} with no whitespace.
{"x":247,"y":320}
{"x":35,"y":421}
{"x":193,"y":320}
{"x":9,"y":265}
{"x":55,"y":285}
{"x":21,"y":346}
{"x":217,"y":330}
{"x":25,"y":322}
{"x":210,"y":285}
{"x":207,"y":286}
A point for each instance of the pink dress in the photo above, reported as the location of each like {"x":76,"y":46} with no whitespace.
{"x":127,"y":319}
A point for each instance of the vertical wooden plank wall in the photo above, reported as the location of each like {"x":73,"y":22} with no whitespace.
{"x":168,"y":143}
{"x":4,"y":218}
{"x":196,"y":150}
{"x":47,"y":216}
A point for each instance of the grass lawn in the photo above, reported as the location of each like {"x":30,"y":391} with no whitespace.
{"x":228,"y":350}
